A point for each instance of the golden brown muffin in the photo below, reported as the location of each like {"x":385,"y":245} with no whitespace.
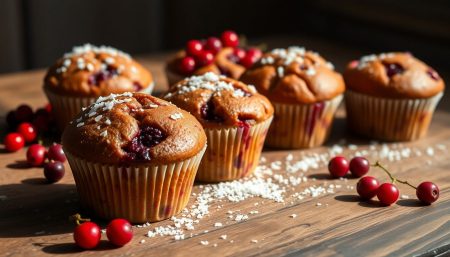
{"x":393,"y":75}
{"x":133,"y":128}
{"x":218,"y":101}
{"x":91,"y":71}
{"x":224,"y":64}
{"x":295,"y":76}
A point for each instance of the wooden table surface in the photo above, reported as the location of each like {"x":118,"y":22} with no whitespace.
{"x":34,"y":215}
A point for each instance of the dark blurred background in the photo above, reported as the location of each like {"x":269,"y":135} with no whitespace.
{"x":33,"y":33}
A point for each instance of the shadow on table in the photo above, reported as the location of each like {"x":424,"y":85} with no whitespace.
{"x":36,"y":208}
{"x":356,"y":199}
{"x":70,"y":248}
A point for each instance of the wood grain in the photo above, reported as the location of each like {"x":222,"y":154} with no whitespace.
{"x":34,"y":215}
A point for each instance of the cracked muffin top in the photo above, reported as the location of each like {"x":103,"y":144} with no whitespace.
{"x":295,"y":76}
{"x":217,"y":101}
{"x":393,"y":75}
{"x":97,"y":71}
{"x":133,"y":128}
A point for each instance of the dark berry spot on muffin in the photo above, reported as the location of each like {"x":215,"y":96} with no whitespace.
{"x":433,"y":74}
{"x":139,"y":147}
{"x":314,"y":117}
{"x":207,"y":111}
{"x":393,"y":69}
{"x":100,"y":76}
{"x":137,"y":86}
{"x":224,"y":71}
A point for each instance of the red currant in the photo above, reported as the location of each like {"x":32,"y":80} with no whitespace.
{"x":87,"y":235}
{"x":427,"y":192}
{"x":14,"y":142}
{"x":28,"y":132}
{"x":204,"y":58}
{"x":255,"y":53}
{"x":54,"y":171}
{"x":239,"y":53}
{"x":36,"y":155}
{"x":359,"y":166}
{"x":230,"y":38}
{"x":187,"y":65}
{"x":338,"y":166}
{"x":194,"y":47}
{"x":56,"y":153}
{"x":119,"y":232}
{"x":387,"y":193}
{"x":213,"y":44}
{"x":367,"y":187}
{"x":24,"y":113}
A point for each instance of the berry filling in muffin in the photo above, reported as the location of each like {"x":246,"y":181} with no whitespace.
{"x":393,"y":69}
{"x":139,"y":147}
{"x":102,"y":75}
{"x":208,"y":112}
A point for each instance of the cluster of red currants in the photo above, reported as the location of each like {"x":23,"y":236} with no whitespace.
{"x":87,"y":234}
{"x":52,"y":159}
{"x":201,"y":53}
{"x":369,"y":187}
{"x":27,"y":125}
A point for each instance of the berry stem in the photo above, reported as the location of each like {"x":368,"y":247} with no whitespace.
{"x":78,"y":219}
{"x":393,"y":179}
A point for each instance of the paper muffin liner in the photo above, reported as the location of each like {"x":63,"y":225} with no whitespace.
{"x":302,"y":125}
{"x":137,"y":193}
{"x":65,"y":108}
{"x":173,"y":77}
{"x":389,"y":119}
{"x":232,"y":153}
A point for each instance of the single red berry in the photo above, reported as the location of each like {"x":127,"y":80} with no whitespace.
{"x":54,"y":171}
{"x":119,"y":232}
{"x":28,"y":132}
{"x":427,"y":192}
{"x":194,"y":47}
{"x":14,"y":142}
{"x":87,"y":235}
{"x":204,"y":58}
{"x":359,"y":166}
{"x":387,"y":193}
{"x":11,"y":119}
{"x":48,"y":107}
{"x":213,"y":44}
{"x":338,"y":166}
{"x":36,"y":155}
{"x":24,"y":113}
{"x":256,"y":53}
{"x":56,"y":153}
{"x":247,"y":61}
{"x":367,"y":187}
{"x":239,"y":53}
{"x":230,"y":38}
{"x":187,"y":65}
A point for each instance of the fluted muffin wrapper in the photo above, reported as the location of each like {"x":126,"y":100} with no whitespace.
{"x":232,"y":153}
{"x":302,"y":125}
{"x":389,"y":119}
{"x":65,"y":108}
{"x":137,"y":193}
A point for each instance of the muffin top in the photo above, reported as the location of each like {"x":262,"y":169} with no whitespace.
{"x":96,"y":71}
{"x":393,"y":75}
{"x":133,"y":128}
{"x":295,"y":76}
{"x":217,"y":101}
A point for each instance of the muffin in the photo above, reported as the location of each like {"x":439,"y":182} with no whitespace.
{"x":235,"y":118}
{"x":391,"y":96}
{"x":134,"y":156}
{"x":221,"y":56}
{"x":305,"y":92}
{"x":84,"y":74}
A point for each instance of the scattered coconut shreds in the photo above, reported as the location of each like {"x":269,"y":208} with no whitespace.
{"x":404,"y":197}
{"x":254,"y":241}
{"x":204,"y":242}
{"x":270,"y":185}
{"x":142,"y":241}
